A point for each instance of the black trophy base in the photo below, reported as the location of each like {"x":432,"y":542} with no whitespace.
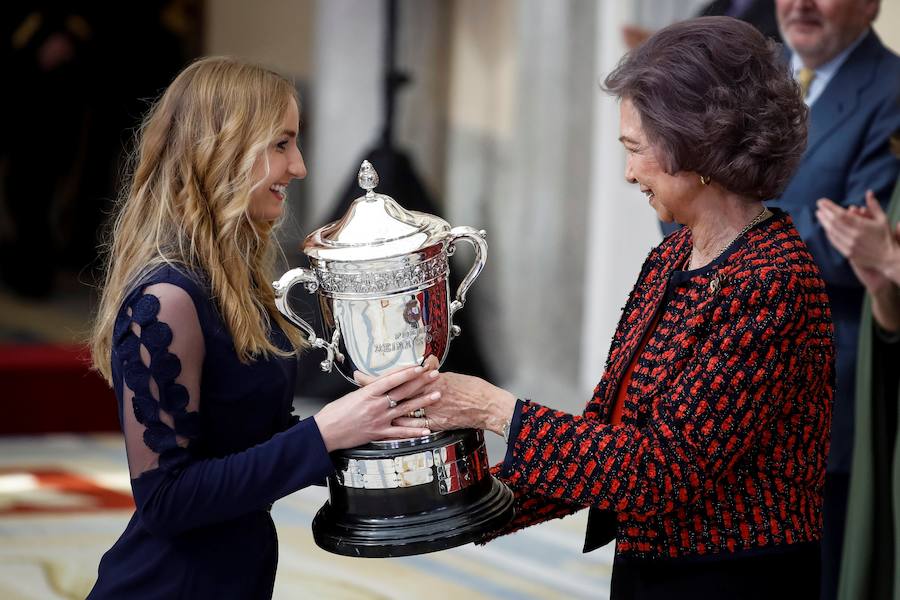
{"x":411,"y":497}
{"x":385,"y":537}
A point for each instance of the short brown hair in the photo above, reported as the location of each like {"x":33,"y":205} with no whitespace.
{"x":716,"y":97}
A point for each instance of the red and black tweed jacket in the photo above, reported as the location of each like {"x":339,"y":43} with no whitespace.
{"x":725,"y":428}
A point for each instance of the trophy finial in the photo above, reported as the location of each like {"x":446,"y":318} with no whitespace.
{"x":367,"y":178}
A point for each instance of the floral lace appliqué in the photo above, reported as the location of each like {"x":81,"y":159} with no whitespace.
{"x":164,"y":367}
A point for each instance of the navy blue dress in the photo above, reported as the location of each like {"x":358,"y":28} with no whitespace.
{"x":211,"y":445}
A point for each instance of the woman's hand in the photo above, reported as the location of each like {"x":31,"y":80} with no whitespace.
{"x":467,"y":402}
{"x":464,"y":402}
{"x":367,"y":415}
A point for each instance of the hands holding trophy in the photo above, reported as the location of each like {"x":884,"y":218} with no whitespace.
{"x":381,"y":277}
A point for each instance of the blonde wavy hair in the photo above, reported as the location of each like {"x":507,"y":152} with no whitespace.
{"x":186,"y":202}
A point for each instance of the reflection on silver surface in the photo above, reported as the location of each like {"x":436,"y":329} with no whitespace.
{"x":381,"y":276}
{"x":454,"y":466}
{"x":382,"y":334}
{"x":409,"y":442}
{"x":377,"y":335}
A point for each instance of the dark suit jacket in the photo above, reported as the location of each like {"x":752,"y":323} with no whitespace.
{"x":760,"y":14}
{"x":848,"y":152}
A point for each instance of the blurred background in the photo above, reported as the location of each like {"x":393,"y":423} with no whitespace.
{"x":488,"y":113}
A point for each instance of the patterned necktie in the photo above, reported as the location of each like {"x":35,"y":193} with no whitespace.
{"x":805,"y":78}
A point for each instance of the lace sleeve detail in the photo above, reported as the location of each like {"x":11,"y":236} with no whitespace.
{"x":160,"y":349}
{"x":160,"y":345}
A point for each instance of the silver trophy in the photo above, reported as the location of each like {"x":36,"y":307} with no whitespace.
{"x":381,"y":277}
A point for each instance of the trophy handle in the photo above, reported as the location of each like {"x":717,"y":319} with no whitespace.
{"x":476,"y":238}
{"x":309,"y":281}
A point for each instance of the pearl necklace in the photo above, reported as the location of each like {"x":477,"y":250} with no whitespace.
{"x":762,"y":216}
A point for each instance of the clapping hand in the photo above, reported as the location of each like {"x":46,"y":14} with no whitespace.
{"x":864,"y":236}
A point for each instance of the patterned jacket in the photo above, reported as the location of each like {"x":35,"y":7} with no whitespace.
{"x":725,"y":428}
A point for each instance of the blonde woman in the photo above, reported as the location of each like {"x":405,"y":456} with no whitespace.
{"x":202,"y":363}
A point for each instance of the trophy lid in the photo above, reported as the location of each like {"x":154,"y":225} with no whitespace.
{"x":375,"y":227}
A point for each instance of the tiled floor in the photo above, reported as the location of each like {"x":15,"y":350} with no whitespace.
{"x":61,"y":501}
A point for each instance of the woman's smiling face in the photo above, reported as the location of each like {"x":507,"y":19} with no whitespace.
{"x":669,"y":195}
{"x":281,"y":163}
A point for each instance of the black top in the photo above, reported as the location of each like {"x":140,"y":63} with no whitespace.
{"x":211,"y":444}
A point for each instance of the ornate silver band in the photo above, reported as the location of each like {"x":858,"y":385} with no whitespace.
{"x":382,"y":281}
{"x":450,"y":466}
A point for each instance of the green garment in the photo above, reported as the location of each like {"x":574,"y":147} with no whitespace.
{"x":872,"y":536}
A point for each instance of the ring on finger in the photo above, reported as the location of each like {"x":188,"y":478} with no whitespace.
{"x":427,"y":423}
{"x":391,"y":402}
{"x":416,"y":414}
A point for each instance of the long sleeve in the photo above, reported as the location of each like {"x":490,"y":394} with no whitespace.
{"x":529,"y":510}
{"x":160,"y":345}
{"x":726,"y":396}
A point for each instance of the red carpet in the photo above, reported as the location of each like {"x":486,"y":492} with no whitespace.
{"x":51,"y":389}
{"x":82,"y":494}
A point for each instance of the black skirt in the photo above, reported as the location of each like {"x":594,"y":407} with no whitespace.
{"x":788,"y":572}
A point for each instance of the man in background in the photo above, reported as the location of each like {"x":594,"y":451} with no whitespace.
{"x":759,"y":13}
{"x":851,"y":83}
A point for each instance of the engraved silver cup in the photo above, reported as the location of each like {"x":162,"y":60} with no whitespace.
{"x":380,"y":274}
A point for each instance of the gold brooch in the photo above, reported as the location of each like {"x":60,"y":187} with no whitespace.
{"x":716,"y":283}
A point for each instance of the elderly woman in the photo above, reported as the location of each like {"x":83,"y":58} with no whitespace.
{"x":702,"y":450}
